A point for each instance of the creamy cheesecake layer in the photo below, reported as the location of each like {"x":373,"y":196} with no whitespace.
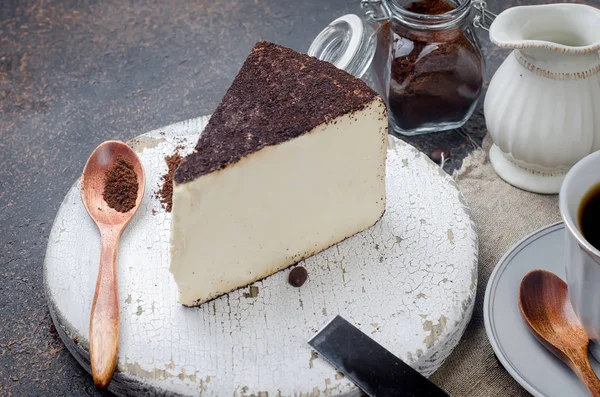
{"x":278,"y":205}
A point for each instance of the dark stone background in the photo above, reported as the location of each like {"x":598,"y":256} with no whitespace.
{"x":74,"y":73}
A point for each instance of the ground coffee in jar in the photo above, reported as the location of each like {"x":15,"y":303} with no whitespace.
{"x":436,"y":75}
{"x":421,"y":56}
{"x":429,"y":7}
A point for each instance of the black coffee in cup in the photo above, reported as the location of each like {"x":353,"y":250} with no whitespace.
{"x":588,"y":216}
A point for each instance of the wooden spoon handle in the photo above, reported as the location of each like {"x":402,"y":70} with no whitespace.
{"x":104,"y":318}
{"x":585,"y":372}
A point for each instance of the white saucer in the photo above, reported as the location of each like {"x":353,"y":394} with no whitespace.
{"x":534,"y":367}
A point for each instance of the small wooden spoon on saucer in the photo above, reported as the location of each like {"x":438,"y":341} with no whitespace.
{"x":546,"y":308}
{"x":104,"y":318}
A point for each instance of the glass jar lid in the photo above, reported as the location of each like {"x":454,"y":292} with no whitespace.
{"x":348,"y":43}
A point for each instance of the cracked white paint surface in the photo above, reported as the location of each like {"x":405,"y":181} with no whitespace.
{"x":409,"y":282}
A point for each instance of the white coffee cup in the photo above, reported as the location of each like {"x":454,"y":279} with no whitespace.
{"x":582,"y":260}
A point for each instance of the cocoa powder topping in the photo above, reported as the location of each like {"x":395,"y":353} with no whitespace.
{"x":121,"y":185}
{"x":278,"y":95}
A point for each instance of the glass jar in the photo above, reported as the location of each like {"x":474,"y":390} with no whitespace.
{"x":429,"y":69}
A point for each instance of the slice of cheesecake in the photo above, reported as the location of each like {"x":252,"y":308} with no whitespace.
{"x":291,"y":163}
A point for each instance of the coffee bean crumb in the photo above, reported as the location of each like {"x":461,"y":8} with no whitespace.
{"x":298,"y":276}
{"x":439,"y":154}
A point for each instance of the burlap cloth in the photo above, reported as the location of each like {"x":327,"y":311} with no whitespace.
{"x":503,"y":215}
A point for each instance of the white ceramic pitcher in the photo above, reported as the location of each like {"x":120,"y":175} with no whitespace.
{"x":542,"y":107}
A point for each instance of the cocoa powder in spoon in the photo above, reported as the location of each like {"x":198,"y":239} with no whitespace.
{"x":121,"y":185}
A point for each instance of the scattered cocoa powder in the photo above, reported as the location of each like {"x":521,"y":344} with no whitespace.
{"x":165,"y":194}
{"x":121,"y":185}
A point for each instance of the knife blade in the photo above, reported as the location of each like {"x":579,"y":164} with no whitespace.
{"x":368,"y":364}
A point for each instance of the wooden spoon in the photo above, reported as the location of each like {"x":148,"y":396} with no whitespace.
{"x":104,"y":318}
{"x":547,"y":310}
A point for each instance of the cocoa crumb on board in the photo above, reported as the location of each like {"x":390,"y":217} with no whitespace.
{"x":53,"y":331}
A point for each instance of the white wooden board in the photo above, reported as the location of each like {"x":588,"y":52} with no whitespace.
{"x":409,"y":282}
